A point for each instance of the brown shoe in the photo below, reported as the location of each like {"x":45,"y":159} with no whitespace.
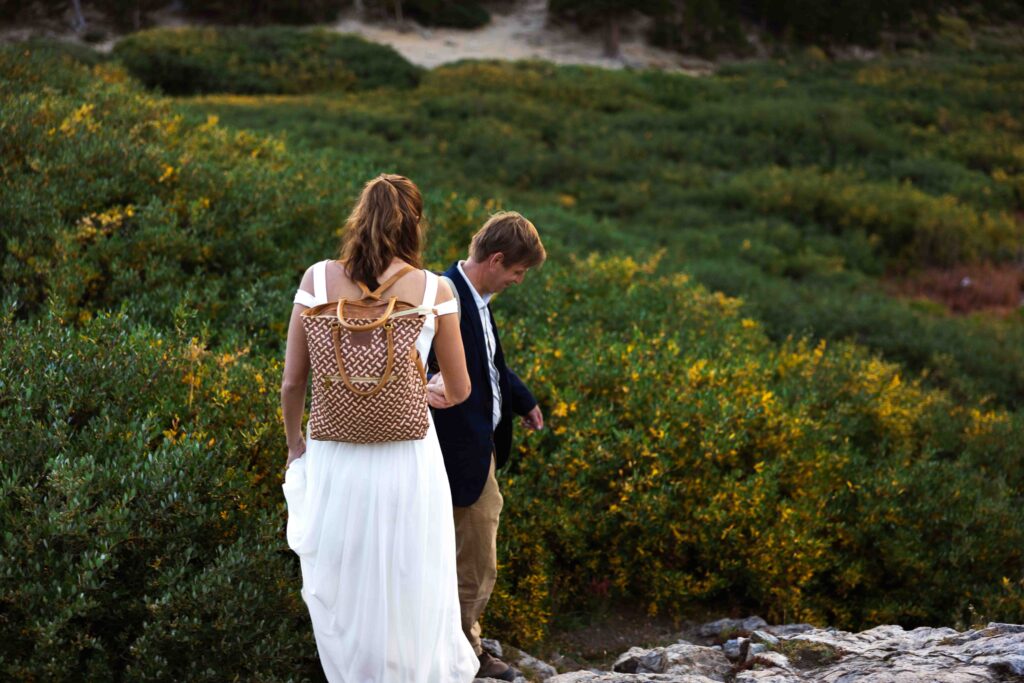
{"x":492,"y":667}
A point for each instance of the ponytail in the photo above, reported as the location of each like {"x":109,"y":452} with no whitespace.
{"x":383,"y":225}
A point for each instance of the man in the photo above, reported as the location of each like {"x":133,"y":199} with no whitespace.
{"x":476,"y":435}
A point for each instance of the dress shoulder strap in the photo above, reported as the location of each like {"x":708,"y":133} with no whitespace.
{"x":304,"y":298}
{"x":453,"y":305}
{"x":430,"y":291}
{"x":320,"y":282}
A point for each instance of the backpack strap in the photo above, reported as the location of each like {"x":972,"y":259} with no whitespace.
{"x":320,"y":282}
{"x":376,"y":294}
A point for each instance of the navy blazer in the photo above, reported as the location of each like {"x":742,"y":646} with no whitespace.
{"x":465,"y":430}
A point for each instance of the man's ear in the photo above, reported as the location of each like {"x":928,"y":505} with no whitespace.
{"x":496,"y":259}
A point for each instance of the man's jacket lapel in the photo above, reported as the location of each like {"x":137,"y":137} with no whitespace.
{"x":470,"y":313}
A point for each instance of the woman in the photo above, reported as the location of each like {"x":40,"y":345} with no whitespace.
{"x":372,"y":523}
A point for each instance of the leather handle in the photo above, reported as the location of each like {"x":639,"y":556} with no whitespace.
{"x":366,"y":393}
{"x":369,"y":326}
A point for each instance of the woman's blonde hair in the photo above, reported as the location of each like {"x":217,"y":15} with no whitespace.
{"x":383,"y":225}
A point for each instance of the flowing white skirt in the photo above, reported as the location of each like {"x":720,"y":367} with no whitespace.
{"x":372,"y":525}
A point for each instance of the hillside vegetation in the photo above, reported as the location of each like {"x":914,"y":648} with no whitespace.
{"x":700,"y":450}
{"x":793,"y":185}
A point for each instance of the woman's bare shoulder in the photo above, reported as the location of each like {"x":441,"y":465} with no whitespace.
{"x":444,"y":291}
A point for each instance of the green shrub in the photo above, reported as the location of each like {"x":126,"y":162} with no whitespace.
{"x":695,"y":461}
{"x":109,"y":199}
{"x":141,"y":510}
{"x":76,"y":52}
{"x":261,"y":60}
{"x":629,"y":161}
{"x":908,"y":225}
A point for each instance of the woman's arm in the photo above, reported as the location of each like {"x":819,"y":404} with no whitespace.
{"x":295,"y":377}
{"x":450,"y":354}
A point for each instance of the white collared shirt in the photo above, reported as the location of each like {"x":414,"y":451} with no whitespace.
{"x":489,"y":341}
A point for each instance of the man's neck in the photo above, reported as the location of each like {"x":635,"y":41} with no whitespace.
{"x":472,"y":270}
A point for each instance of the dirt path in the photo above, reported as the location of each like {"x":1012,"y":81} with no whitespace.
{"x":520,"y":33}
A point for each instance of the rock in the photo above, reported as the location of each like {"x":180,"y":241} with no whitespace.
{"x":888,"y":653}
{"x":766,"y":676}
{"x":788,"y":629}
{"x":731,"y":648}
{"x":605,"y":677}
{"x":492,"y":647}
{"x":727,"y":628}
{"x":764,"y":637}
{"x":769,"y":659}
{"x":752,"y":650}
{"x":639,"y":661}
{"x":885,"y":654}
{"x":677,"y":659}
{"x":535,"y":669}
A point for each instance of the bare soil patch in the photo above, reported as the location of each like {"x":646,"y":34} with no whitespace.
{"x":965,"y":289}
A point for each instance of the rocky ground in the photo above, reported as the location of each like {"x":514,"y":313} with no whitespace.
{"x":752,"y":651}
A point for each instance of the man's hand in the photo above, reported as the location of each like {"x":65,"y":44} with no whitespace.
{"x":534,"y":419}
{"x":435,"y":393}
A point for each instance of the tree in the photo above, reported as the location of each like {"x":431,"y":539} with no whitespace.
{"x":608,"y":14}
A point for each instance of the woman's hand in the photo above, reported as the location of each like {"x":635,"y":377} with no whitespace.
{"x":295,"y":452}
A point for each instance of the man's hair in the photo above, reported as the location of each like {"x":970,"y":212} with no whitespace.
{"x":511,"y":234}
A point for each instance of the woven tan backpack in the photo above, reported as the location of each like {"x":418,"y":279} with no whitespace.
{"x":369,"y":384}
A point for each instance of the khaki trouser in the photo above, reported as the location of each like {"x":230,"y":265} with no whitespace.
{"x":476,"y":555}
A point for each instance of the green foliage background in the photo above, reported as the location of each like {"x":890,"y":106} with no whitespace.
{"x":737,"y":417}
{"x":261,"y":61}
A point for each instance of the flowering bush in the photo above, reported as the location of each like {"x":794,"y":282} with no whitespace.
{"x":688,"y":458}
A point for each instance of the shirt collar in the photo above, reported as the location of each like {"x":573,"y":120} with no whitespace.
{"x":481,"y":299}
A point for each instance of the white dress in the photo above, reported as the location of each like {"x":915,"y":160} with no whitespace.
{"x":372,"y":525}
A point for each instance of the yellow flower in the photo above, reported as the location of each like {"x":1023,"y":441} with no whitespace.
{"x":561,"y":409}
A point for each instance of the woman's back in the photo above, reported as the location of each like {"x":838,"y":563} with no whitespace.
{"x":441,"y":330}
{"x":409,"y":288}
